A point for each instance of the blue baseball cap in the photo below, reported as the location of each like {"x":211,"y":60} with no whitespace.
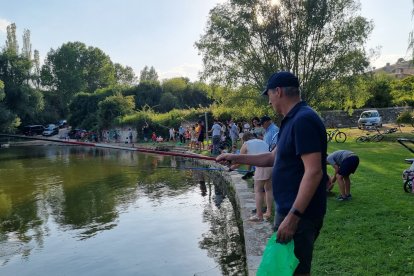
{"x":281,"y":79}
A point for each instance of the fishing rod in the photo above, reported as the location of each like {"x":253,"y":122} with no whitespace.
{"x":202,"y":169}
{"x":109,"y":146}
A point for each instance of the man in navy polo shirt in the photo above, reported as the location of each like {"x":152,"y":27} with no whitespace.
{"x":299,"y":168}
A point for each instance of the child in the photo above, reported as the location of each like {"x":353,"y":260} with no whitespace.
{"x":154,"y":137}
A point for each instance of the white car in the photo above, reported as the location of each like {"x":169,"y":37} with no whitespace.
{"x":50,"y":130}
{"x":370,"y":118}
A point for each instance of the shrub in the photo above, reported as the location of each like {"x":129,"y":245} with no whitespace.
{"x":405,"y":117}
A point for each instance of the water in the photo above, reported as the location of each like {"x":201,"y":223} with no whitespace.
{"x":86,"y":211}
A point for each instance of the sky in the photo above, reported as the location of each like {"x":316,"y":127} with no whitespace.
{"x":162,"y":33}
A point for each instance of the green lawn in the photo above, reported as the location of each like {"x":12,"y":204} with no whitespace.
{"x":373,"y":234}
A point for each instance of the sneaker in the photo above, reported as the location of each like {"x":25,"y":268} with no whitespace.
{"x":341,"y":198}
{"x":349,"y":196}
{"x":248,"y":175}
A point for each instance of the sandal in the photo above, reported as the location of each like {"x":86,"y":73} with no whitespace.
{"x":255,"y":218}
{"x":267,"y":216}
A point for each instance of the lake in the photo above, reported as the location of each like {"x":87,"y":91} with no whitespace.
{"x":85,"y":211}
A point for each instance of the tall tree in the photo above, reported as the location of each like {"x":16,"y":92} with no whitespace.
{"x":20,"y":98}
{"x":148,"y":75}
{"x":36,"y":69}
{"x":125,"y":75}
{"x":27,"y":45}
{"x":73,"y":68}
{"x":12,"y":45}
{"x":411,"y":37}
{"x":318,"y":40}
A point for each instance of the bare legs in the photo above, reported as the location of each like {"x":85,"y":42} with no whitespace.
{"x":344,"y":184}
{"x":261,"y":196}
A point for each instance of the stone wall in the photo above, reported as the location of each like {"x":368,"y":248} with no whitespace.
{"x":338,"y":118}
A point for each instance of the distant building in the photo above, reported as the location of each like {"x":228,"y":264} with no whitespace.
{"x":401,"y":69}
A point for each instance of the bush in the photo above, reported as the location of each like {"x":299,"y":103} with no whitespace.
{"x":405,"y":117}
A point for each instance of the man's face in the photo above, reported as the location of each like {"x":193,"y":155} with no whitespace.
{"x":266,"y":124}
{"x":273,"y":95}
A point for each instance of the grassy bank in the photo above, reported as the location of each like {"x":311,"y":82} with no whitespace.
{"x":373,"y":234}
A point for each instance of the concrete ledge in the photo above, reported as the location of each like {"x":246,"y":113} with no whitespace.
{"x":255,"y":234}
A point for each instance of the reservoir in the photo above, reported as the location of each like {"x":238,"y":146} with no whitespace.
{"x":68,"y":210}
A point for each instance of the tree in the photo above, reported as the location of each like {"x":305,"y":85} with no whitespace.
{"x":411,"y":38}
{"x":167,"y":102}
{"x":148,"y":75}
{"x":8,"y":121}
{"x":379,"y":89}
{"x":125,"y":75}
{"x":114,"y":107}
{"x":12,"y":45}
{"x":36,"y":69}
{"x":99,"y":70}
{"x":73,"y":68}
{"x":318,"y":40}
{"x":21,"y":100}
{"x":27,"y":45}
{"x":402,"y":91}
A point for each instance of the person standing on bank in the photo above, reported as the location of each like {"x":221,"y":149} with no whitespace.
{"x":271,"y":131}
{"x":299,"y":168}
{"x":345,"y":163}
{"x":262,"y":177}
{"x":216,"y":133}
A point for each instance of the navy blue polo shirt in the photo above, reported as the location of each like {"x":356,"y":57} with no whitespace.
{"x":301,"y":132}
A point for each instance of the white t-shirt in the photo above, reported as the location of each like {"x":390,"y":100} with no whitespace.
{"x":256,"y":146}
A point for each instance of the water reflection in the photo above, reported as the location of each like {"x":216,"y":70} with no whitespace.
{"x":50,"y":194}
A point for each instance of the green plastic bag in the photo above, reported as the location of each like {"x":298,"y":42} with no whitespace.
{"x":278,"y":259}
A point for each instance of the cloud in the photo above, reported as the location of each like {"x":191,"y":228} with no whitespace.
{"x":3,"y":25}
{"x":186,"y":70}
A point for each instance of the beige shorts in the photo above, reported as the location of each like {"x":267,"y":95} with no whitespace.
{"x":263,"y":173}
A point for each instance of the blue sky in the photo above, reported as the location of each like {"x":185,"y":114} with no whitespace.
{"x":162,"y":33}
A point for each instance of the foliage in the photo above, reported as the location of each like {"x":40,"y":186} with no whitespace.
{"x":112,"y":108}
{"x":402,"y":91}
{"x":161,"y":122}
{"x":378,"y":87}
{"x":74,"y":68}
{"x":148,"y":75}
{"x":243,"y":103}
{"x":405,"y":117}
{"x":343,"y":94}
{"x":124,"y":75}
{"x":8,"y":121}
{"x":246,"y":41}
{"x":20,"y":101}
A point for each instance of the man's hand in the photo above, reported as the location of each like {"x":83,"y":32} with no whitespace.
{"x":287,"y":228}
{"x":224,"y":158}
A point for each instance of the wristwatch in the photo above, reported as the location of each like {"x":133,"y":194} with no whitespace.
{"x":296,"y":212}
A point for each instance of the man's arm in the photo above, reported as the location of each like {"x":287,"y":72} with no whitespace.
{"x":336,"y":168}
{"x":260,"y":160}
{"x":310,"y":182}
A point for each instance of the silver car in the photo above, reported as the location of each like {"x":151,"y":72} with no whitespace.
{"x":369,"y":118}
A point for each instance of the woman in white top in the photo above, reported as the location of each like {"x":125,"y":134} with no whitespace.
{"x":262,"y":176}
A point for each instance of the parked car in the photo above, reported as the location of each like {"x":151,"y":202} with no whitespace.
{"x":33,"y":130}
{"x":51,"y":129}
{"x":369,"y":118}
{"x":62,"y":123}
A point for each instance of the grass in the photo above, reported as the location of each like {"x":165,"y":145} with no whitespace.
{"x":373,"y":234}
